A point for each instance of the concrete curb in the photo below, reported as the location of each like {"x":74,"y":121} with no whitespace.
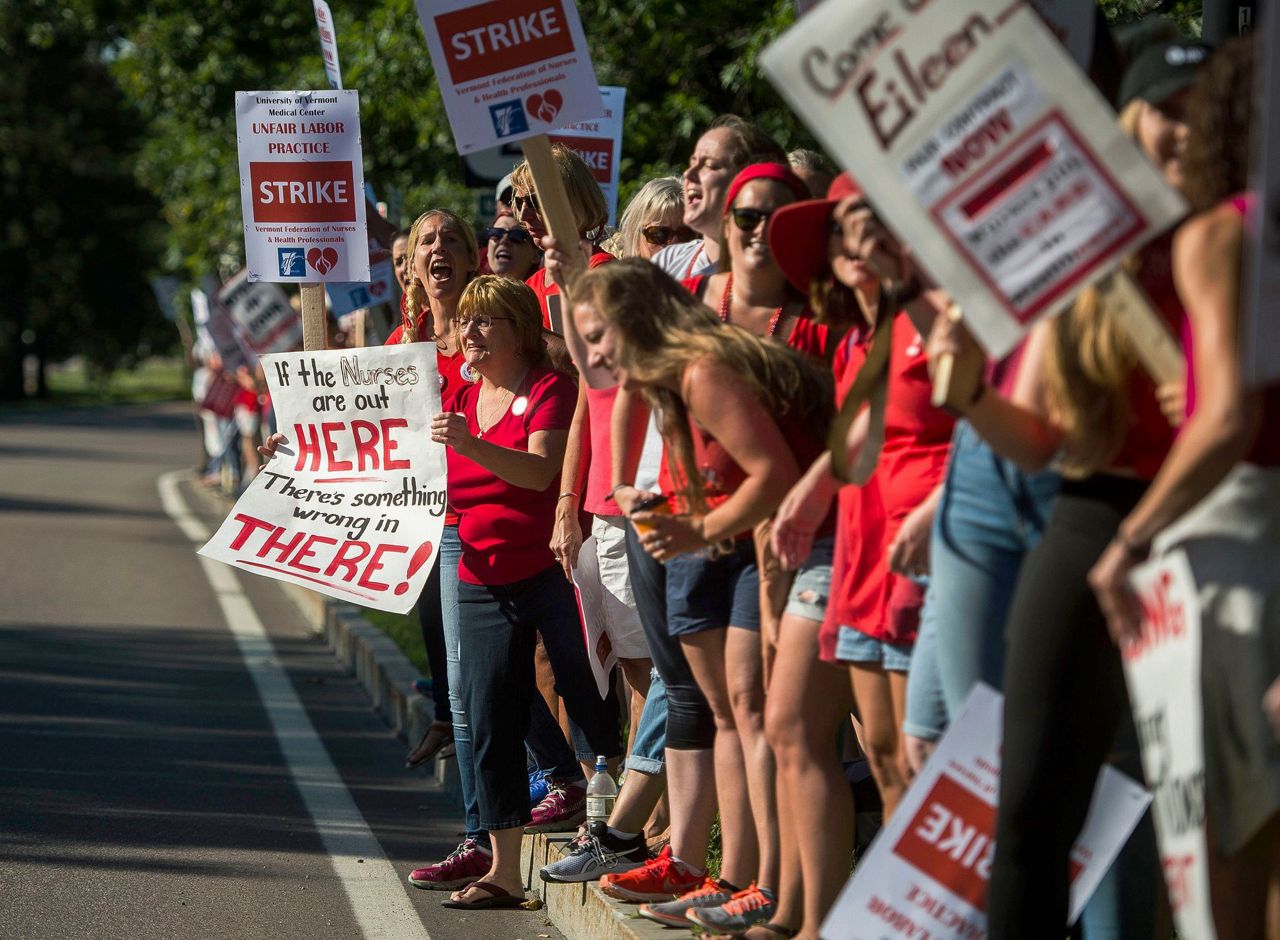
{"x":579,"y":911}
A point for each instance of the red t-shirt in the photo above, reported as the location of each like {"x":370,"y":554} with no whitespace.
{"x":506,"y":529}
{"x":595,"y":498}
{"x":917,"y":440}
{"x":545,"y":288}
{"x":807,"y":335}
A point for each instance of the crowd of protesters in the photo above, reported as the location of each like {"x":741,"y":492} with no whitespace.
{"x":662,"y":395}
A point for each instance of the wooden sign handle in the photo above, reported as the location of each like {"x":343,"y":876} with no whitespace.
{"x":360,"y":328}
{"x":314,"y":334}
{"x":1156,"y":348}
{"x":553,"y":201}
{"x":945,"y":366}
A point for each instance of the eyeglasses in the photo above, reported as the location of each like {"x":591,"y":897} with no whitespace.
{"x":529,"y":199}
{"x":482,"y":320}
{"x":748,"y":219}
{"x":517,"y":235}
{"x":666,"y":235}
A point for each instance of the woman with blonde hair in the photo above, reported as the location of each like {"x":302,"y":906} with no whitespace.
{"x":653,"y":219}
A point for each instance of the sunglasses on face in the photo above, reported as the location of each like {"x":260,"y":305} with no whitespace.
{"x":748,"y":219}
{"x":517,"y":235}
{"x":666,"y":235}
{"x":482,"y":320}
{"x":530,"y":199}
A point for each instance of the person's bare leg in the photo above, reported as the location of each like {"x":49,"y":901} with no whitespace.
{"x":691,"y":791}
{"x":705,"y":652}
{"x":744,"y":671}
{"x":504,"y":871}
{"x":880,"y":738}
{"x":807,"y":704}
{"x":639,"y":795}
{"x":898,"y":694}
{"x":658,"y":826}
{"x":1238,"y":884}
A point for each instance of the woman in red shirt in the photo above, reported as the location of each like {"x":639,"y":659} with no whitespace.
{"x":506,"y":435}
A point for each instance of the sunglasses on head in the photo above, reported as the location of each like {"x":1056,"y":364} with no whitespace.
{"x":517,"y":235}
{"x":748,"y":219}
{"x":530,"y":199}
{"x":666,"y":234}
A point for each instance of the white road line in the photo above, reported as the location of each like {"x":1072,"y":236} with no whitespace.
{"x":374,"y":889}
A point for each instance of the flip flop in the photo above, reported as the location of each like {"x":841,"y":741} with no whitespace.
{"x":498,"y":898}
{"x":777,"y":930}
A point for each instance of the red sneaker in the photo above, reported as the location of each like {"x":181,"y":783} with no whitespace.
{"x":563,"y":809}
{"x":659,"y":879}
{"x":465,"y":864}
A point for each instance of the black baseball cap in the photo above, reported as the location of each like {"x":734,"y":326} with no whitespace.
{"x":1162,"y":70}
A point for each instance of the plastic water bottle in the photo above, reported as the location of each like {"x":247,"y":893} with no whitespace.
{"x":602,"y":792}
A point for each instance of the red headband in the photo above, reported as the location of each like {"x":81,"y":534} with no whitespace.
{"x":778,"y":172}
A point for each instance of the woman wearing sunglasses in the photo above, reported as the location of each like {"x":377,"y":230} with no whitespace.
{"x":653,"y":220}
{"x":511,"y":251}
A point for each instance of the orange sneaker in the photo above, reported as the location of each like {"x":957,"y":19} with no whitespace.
{"x":710,"y":893}
{"x":748,"y":907}
{"x":659,"y":879}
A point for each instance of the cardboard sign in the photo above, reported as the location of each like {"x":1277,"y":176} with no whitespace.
{"x":599,"y":143}
{"x":302,"y":186}
{"x":927,"y":871}
{"x":353,"y":503}
{"x":509,"y":69}
{"x":1163,"y":673}
{"x":382,"y":288}
{"x":219,"y":395}
{"x":1260,"y":337}
{"x":1004,"y":168}
{"x":215,"y":326}
{"x":261,"y":312}
{"x":591,"y":609}
{"x":328,"y":43}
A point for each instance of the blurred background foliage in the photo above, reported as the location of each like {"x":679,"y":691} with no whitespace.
{"x":118,"y":150}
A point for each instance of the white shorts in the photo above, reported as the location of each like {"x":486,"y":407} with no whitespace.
{"x":622,"y":623}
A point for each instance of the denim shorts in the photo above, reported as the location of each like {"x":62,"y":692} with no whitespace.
{"x":854,"y":646}
{"x":811,"y":588}
{"x":712,"y":593}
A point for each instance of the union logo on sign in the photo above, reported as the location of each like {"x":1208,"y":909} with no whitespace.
{"x":508,"y":118}
{"x":291,"y":261}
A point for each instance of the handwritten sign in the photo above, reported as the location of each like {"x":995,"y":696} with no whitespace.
{"x":509,"y":69}
{"x":262,"y":314}
{"x":302,"y":186}
{"x":926,"y":874}
{"x":591,"y":610}
{"x":1005,"y":170}
{"x":1163,"y":673}
{"x":353,"y":504}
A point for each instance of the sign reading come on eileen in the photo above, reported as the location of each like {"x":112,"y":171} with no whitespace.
{"x":302,"y":186}
{"x":1004,"y":166}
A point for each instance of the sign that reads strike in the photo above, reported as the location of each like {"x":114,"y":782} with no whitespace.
{"x":926,"y":874}
{"x":509,"y":69}
{"x":1005,"y":169}
{"x":302,"y":185}
{"x":353,"y":503}
{"x":599,"y":143}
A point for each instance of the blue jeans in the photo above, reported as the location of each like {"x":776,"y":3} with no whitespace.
{"x":990,"y":516}
{"x":450,"y":553}
{"x":926,"y":716}
{"x":497,"y":629}
{"x":648,"y":750}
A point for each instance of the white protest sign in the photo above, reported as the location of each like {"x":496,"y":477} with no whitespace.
{"x":591,"y":608}
{"x":599,"y":143}
{"x":302,"y":186}
{"x":1163,"y":674}
{"x":1003,"y":166}
{"x":328,"y":43}
{"x":382,"y":288}
{"x":1260,"y":343}
{"x":927,"y":871}
{"x":262,"y":312}
{"x":353,"y":503}
{"x":225,"y":335}
{"x":509,"y":69}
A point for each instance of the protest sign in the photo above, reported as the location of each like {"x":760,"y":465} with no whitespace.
{"x":219,"y":329}
{"x":591,"y":609}
{"x":509,"y":69}
{"x":382,"y":288}
{"x":328,"y":43}
{"x":1260,"y":344}
{"x":219,"y":395}
{"x":599,"y":143}
{"x":1163,"y":673}
{"x":353,"y":503}
{"x":262,"y":314}
{"x":926,"y":873}
{"x":1003,"y":165}
{"x":302,"y":186}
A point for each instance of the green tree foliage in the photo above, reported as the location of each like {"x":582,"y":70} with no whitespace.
{"x":77,"y":233}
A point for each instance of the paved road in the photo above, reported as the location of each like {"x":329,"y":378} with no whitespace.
{"x":144,"y":790}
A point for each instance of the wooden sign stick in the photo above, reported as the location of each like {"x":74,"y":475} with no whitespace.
{"x":360,"y":330}
{"x":314,"y":332}
{"x":553,"y":201}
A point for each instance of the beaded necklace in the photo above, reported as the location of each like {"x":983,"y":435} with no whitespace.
{"x":727,"y":300}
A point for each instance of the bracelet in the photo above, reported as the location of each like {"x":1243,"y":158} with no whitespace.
{"x":619,"y":486}
{"x":567,"y":493}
